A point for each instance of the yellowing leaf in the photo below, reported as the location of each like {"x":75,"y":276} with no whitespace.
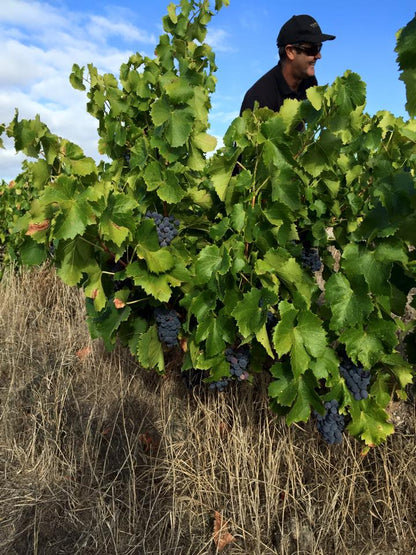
{"x":34,"y":228}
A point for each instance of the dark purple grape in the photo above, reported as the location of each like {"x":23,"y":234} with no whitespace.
{"x":331,"y":424}
{"x":356,"y":378}
{"x":239,"y":360}
{"x":166,"y":227}
{"x":168,"y":325}
{"x":311,"y":259}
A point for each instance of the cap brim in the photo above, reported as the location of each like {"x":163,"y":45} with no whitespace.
{"x":327,"y":37}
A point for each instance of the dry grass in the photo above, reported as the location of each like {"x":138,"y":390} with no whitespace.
{"x":98,"y":456}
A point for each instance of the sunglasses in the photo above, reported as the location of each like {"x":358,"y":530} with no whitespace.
{"x":308,"y":50}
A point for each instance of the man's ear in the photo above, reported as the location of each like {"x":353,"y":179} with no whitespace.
{"x":290,"y":52}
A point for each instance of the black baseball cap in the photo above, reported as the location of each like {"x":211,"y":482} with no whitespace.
{"x":301,"y":28}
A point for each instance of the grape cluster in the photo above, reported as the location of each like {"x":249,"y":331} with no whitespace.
{"x":168,"y":325}
{"x":166,"y":227}
{"x":311,"y":259}
{"x":331,"y":424}
{"x":238,"y":360}
{"x":356,"y":378}
{"x":220,"y":385}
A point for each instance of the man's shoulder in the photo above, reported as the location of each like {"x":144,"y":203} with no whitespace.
{"x":264,"y":91}
{"x":266,"y":79}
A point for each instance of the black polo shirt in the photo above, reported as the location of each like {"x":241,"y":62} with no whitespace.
{"x":272,"y":89}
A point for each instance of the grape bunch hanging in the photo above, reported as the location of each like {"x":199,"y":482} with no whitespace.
{"x":168,"y":326}
{"x":238,"y":360}
{"x":331,"y":424}
{"x":311,"y":259}
{"x":356,"y":378}
{"x":166,"y":227}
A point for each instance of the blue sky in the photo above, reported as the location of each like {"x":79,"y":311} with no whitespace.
{"x":40,"y":40}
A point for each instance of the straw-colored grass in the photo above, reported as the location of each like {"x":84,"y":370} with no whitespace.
{"x":98,"y":456}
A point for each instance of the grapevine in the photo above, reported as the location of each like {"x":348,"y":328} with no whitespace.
{"x":257,"y":220}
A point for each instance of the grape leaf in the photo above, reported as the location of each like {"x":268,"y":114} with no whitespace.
{"x":149,"y":350}
{"x":348,"y":306}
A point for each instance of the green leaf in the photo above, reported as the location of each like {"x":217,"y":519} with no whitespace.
{"x":314,"y":338}
{"x":85,"y":166}
{"x":159,"y":261}
{"x":149,"y":350}
{"x":315,"y":96}
{"x":327,"y":364}
{"x":300,"y":334}
{"x":170,"y":190}
{"x":306,"y":396}
{"x":283,"y":388}
{"x":76,"y":77}
{"x":40,"y":172}
{"x":113,"y":232}
{"x":220,"y":171}
{"x":348,"y":306}
{"x":205,"y":142}
{"x":93,"y":287}
{"x":200,"y":304}
{"x":32,"y":253}
{"x":263,"y":338}
{"x":178,"y":121}
{"x":321,"y":154}
{"x":210,"y":261}
{"x":160,"y":111}
{"x":139,"y":153}
{"x":299,"y":394}
{"x":105,"y":323}
{"x":74,"y":214}
{"x":214,"y":330}
{"x":280,"y":263}
{"x":74,"y":257}
{"x":130,"y":332}
{"x":153,"y":176}
{"x":370,"y":424}
{"x":155,"y":285}
{"x":178,"y":90}
{"x":179,"y":127}
{"x":372,"y":265}
{"x":238,"y":217}
{"x":172,"y":13}
{"x":249,"y":316}
{"x":362,"y":346}
{"x":349,"y":92}
{"x":401,"y":369}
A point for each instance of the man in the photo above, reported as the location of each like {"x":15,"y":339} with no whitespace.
{"x":299,"y":43}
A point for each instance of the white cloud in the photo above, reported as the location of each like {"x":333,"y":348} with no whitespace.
{"x":219,"y":40}
{"x":100,"y":27}
{"x":40,"y":43}
{"x":31,"y":15}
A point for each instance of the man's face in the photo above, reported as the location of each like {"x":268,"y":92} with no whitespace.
{"x":303,"y":59}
